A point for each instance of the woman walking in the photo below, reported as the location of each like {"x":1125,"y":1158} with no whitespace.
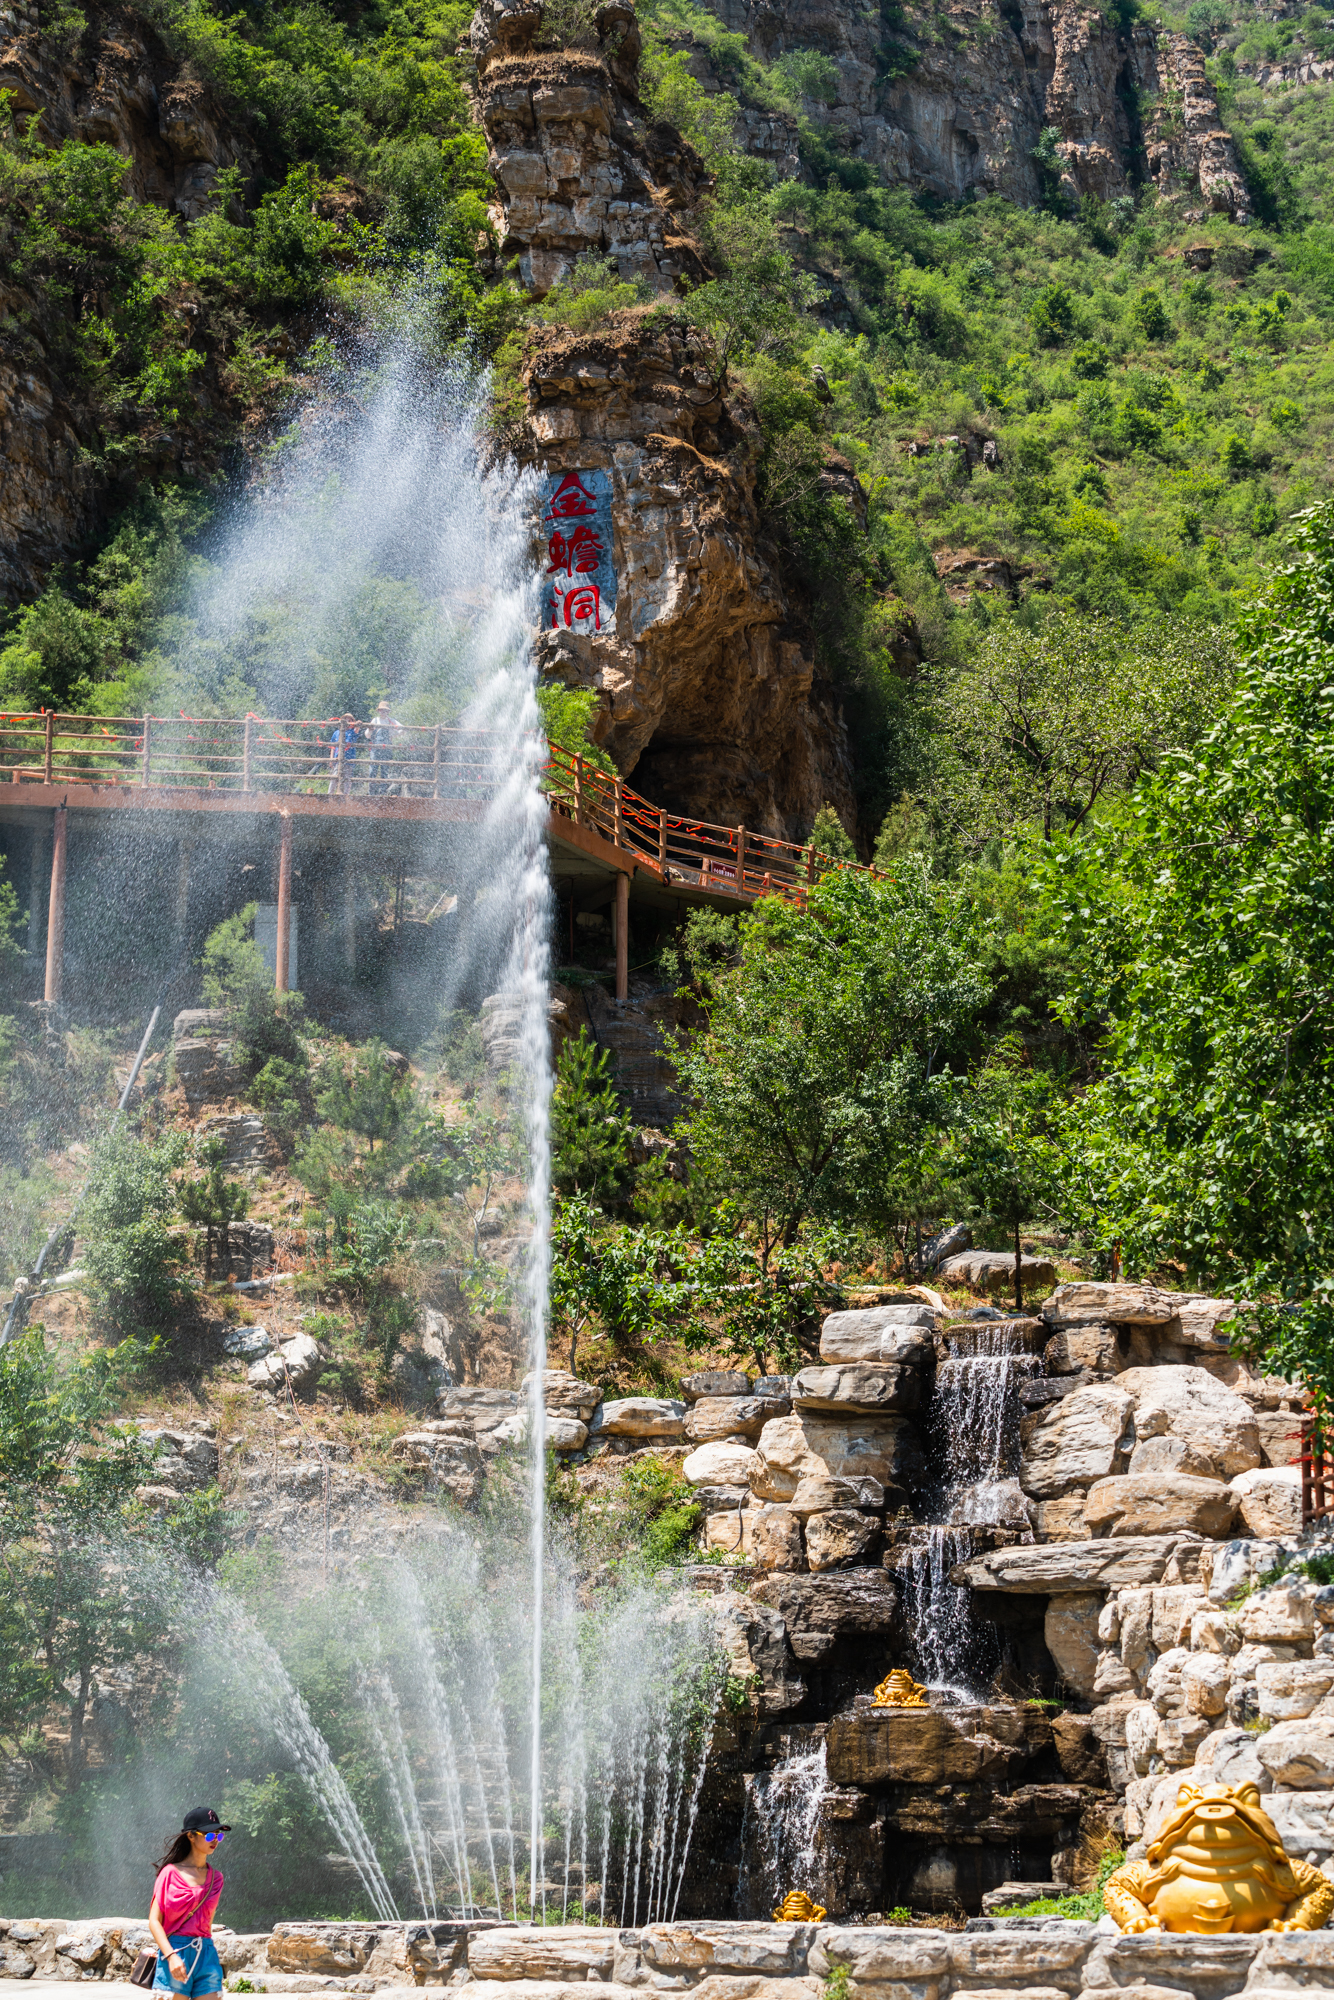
{"x":185,"y":1896}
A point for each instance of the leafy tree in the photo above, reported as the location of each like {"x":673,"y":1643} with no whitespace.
{"x":1206,"y":20}
{"x":131,"y":1252}
{"x":737,"y":1296}
{"x":210,"y":1199}
{"x":1054,"y":315}
{"x":1003,"y":1160}
{"x":710,"y":941}
{"x":590,"y":1133}
{"x":281,"y":1089}
{"x":371,"y":1097}
{"x":611,"y":1272}
{"x":826,"y":1048}
{"x":74,"y":1603}
{"x":567,"y":716}
{"x":1205,"y":946}
{"x":1090,"y":361}
{"x":571,"y":1301}
{"x":757,"y":306}
{"x":1269,"y":176}
{"x":1149,"y":315}
{"x":266,"y":1023}
{"x":828,"y":835}
{"x":1042,"y":725}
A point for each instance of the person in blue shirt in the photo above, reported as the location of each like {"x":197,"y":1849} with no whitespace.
{"x":346,"y":732}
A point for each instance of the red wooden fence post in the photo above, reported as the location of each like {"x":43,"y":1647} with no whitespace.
{"x":284,"y":924}
{"x":55,"y":923}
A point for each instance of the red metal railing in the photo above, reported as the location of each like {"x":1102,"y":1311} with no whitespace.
{"x":254,"y":754}
{"x":1317,"y":1466}
{"x":337,"y":756}
{"x":731,"y":860}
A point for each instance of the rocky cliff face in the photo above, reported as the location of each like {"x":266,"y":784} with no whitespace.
{"x":706,"y":682}
{"x":119,"y":89}
{"x":578,"y":173}
{"x":707,"y":687}
{"x":987,"y":80}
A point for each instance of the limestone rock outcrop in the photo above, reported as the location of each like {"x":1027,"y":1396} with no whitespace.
{"x":577,"y":176}
{"x":706,"y":682}
{"x":963,"y":108}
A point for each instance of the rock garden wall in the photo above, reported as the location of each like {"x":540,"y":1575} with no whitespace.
{"x":1043,"y":1959}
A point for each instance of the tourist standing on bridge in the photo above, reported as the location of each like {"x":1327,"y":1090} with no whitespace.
{"x":180,"y":1917}
{"x":346,"y":736}
{"x":381,"y":726}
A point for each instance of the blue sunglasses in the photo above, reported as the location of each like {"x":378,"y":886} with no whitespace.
{"x":212,"y":1838}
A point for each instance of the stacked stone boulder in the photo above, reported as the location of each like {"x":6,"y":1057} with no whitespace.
{"x":797,"y":1473}
{"x":1037,"y":1958}
{"x":1156,"y":1465}
{"x":1146,"y":1422}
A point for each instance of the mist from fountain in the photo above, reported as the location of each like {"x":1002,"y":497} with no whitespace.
{"x":378,"y":545}
{"x":383,"y":507}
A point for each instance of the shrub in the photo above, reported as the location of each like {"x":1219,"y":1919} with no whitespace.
{"x":132,"y":1254}
{"x":1053,"y":315}
{"x":1149,"y":315}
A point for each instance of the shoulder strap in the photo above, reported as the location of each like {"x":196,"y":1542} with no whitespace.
{"x":204,"y":1896}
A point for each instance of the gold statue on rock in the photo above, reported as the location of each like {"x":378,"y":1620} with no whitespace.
{"x":899,"y":1690}
{"x":797,"y":1908}
{"x":1218,"y":1865}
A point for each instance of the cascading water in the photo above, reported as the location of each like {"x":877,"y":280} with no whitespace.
{"x":974,"y":1415}
{"x":778,"y":1831}
{"x":977,"y":1390}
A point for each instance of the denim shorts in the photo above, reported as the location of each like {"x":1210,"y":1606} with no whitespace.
{"x":203,"y":1967}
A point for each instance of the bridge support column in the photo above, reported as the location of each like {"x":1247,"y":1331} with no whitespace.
{"x":622,"y":936}
{"x":184,"y":850}
{"x":284,"y":926}
{"x":36,"y":885}
{"x":55,"y":924}
{"x":349,"y":916}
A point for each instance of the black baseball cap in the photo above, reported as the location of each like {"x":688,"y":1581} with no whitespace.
{"x":203,"y":1820}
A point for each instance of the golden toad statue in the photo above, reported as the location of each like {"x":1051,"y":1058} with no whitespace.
{"x":899,"y":1690}
{"x":797,"y":1908}
{"x":1218,"y":1865}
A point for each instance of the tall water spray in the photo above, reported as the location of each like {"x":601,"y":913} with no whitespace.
{"x":383,"y":513}
{"x":382,"y":554}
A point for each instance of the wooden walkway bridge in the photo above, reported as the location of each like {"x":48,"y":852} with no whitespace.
{"x":354,"y":782}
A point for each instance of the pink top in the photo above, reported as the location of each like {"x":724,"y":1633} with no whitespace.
{"x":176,"y":1896}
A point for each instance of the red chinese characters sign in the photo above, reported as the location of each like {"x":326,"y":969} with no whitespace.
{"x":578,"y":571}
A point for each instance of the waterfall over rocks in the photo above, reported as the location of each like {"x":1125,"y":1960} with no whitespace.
{"x":973,"y":1418}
